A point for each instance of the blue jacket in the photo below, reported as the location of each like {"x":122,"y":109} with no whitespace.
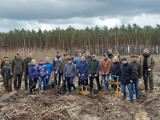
{"x":42,"y":70}
{"x":33,"y":72}
{"x":69,"y":70}
{"x":49,"y":68}
{"x":83,"y":69}
{"x":56,"y":63}
{"x":77,"y":61}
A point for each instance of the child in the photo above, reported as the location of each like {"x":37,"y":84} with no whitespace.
{"x":49,"y":68}
{"x":7,"y":76}
{"x":69,"y":73}
{"x":33,"y":75}
{"x":43,"y":74}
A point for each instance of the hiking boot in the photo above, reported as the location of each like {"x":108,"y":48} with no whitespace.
{"x":123,"y":98}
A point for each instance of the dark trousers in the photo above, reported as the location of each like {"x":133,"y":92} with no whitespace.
{"x":47,"y":80}
{"x":70,"y":83}
{"x":84,"y":82}
{"x":97,"y":81}
{"x":26,"y":81}
{"x":17,"y":81}
{"x":57,"y":75}
{"x":64,"y":85}
{"x":32,"y":84}
{"x":8,"y":85}
{"x":148,"y":78}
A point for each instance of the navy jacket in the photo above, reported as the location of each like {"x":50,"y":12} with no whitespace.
{"x":83,"y":70}
{"x":33,"y":72}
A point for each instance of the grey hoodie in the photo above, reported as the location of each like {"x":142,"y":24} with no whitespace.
{"x":69,"y":70}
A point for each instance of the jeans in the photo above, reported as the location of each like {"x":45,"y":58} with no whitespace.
{"x":17,"y":79}
{"x":106,"y":77}
{"x":130,"y":89}
{"x":42,"y":80}
{"x":135,"y":84}
{"x":70,"y":83}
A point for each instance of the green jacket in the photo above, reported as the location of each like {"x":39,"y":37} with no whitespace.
{"x":26,"y":62}
{"x":136,"y":71}
{"x":150,"y":62}
{"x":61,"y":66}
{"x":17,"y":66}
{"x":94,"y":67}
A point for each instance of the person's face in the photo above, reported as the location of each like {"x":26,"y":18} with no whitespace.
{"x":109,"y":51}
{"x":79,"y":53}
{"x":83,"y":59}
{"x":133,"y":59}
{"x":41,"y":62}
{"x":69,"y":61}
{"x":7,"y":62}
{"x":18,"y":56}
{"x":105,"y":56}
{"x":30,"y":55}
{"x":65,"y":57}
{"x":146,"y":51}
{"x":58,"y":54}
{"x":94,"y":57}
{"x":33,"y":62}
{"x":116,"y":54}
{"x":88,"y":53}
{"x":124,"y":62}
{"x":47,"y":60}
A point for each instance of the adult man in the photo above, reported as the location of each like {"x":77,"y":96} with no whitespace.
{"x":136,"y":74}
{"x":147,"y":63}
{"x":26,"y":62}
{"x":126,"y":79}
{"x":110,"y":54}
{"x":17,"y":70}
{"x":56,"y":62}
{"x":88,"y":56}
{"x":94,"y":68}
{"x":105,"y":69}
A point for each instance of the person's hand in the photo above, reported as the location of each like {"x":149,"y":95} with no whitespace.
{"x":39,"y":78}
{"x":131,"y":81}
{"x":139,"y":80}
{"x":79,"y":75}
{"x":149,"y":69}
{"x":82,"y":74}
{"x":95,"y":75}
{"x":90,"y":75}
{"x":63,"y":78}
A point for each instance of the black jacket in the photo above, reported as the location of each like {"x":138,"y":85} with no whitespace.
{"x":125,"y":74}
{"x":26,"y":64}
{"x":136,"y":70}
{"x":6,"y":71}
{"x":115,"y":68}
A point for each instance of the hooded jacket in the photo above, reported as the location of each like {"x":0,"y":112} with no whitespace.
{"x":42,"y":70}
{"x":49,"y":67}
{"x":69,"y":70}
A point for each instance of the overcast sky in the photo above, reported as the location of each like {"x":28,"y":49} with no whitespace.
{"x":49,"y":14}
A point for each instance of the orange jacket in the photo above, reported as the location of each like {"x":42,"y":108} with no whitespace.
{"x":106,"y":65}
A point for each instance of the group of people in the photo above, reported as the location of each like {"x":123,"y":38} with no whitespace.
{"x":85,"y":67}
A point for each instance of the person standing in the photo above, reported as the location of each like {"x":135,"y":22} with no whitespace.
{"x":136,"y":74}
{"x":69,"y":74}
{"x":94,"y":69}
{"x":105,"y":69}
{"x":126,"y":79}
{"x":56,"y":62}
{"x":83,"y":72}
{"x":7,"y":76}
{"x":26,"y":63}
{"x":110,"y":54}
{"x":115,"y":70}
{"x":43,"y":74}
{"x":49,"y":67}
{"x":88,"y":56}
{"x":17,"y":70}
{"x":61,"y":68}
{"x":33,"y":75}
{"x":147,"y":63}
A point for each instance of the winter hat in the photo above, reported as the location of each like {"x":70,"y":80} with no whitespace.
{"x":124,"y":59}
{"x":33,"y":60}
{"x":105,"y":55}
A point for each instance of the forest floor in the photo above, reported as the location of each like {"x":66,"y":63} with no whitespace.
{"x":54,"y":106}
